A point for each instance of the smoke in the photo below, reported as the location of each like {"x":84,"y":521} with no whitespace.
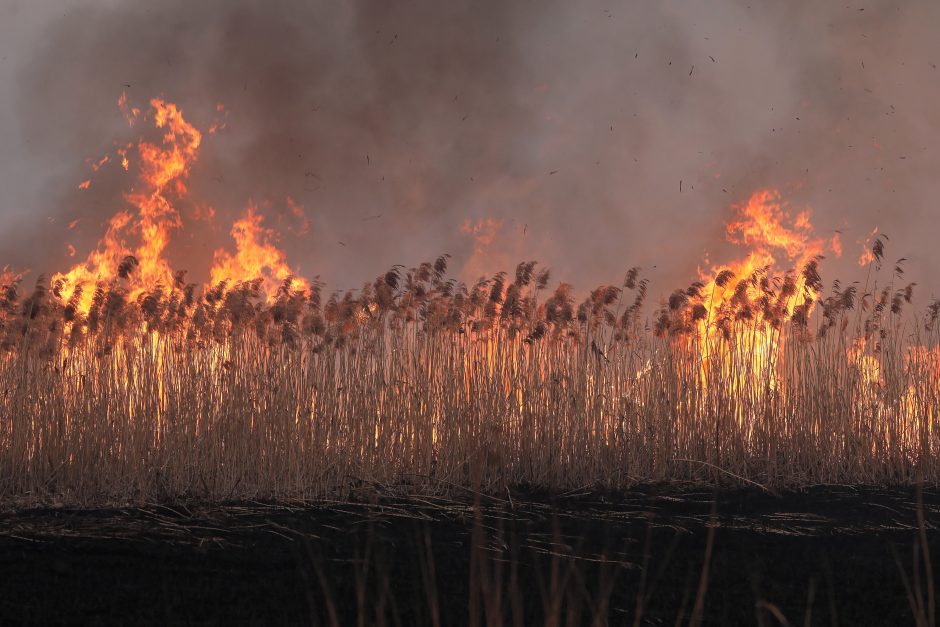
{"x":590,"y":136}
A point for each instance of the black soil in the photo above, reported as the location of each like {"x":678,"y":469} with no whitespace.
{"x":829,"y":555}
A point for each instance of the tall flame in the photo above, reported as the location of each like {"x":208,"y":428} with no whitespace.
{"x":766,"y":225}
{"x":163,"y":169}
{"x":734,"y":290}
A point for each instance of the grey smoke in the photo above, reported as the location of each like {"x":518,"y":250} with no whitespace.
{"x":395,"y":123}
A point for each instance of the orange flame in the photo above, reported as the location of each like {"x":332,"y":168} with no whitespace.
{"x":765,"y":224}
{"x":867,"y":256}
{"x":101,"y":264}
{"x":762,"y":224}
{"x":255,"y":258}
{"x":163,"y":170}
{"x":9,"y":276}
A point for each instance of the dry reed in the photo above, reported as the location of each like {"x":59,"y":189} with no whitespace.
{"x":419,"y":380}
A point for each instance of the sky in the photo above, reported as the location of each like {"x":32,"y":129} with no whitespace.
{"x":591,"y":136}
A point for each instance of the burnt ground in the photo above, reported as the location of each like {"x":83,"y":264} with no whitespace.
{"x":832,"y":555}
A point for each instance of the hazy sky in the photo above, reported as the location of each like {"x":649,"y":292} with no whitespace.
{"x":560,"y":129}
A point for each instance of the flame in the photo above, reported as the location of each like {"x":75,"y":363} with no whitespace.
{"x":131,"y":114}
{"x":495,"y":328}
{"x":767,"y":226}
{"x":297,"y":210}
{"x":869,"y":368}
{"x":122,"y":153}
{"x":836,"y":245}
{"x":764,"y":223}
{"x":9,"y":276}
{"x":164,"y":168}
{"x":483,"y":232}
{"x":100,"y":266}
{"x":867,"y":256}
{"x":219,"y":124}
{"x":97,"y":165}
{"x":255,"y":258}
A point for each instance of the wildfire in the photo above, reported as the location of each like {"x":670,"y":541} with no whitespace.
{"x":163,"y":168}
{"x":762,"y":223}
{"x":732,"y":373}
{"x":766,"y":225}
{"x":745,"y":301}
{"x":734,"y":312}
{"x":255,"y":258}
{"x":10,"y":277}
{"x":867,"y":255}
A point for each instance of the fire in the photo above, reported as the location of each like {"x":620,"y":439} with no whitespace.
{"x":97,"y":165}
{"x":732,"y":369}
{"x":163,"y":169}
{"x":765,"y":224}
{"x":836,"y":245}
{"x":745,"y":302}
{"x":100,"y":266}
{"x":867,"y":255}
{"x":483,"y":231}
{"x":762,"y":223}
{"x":9,"y":277}
{"x":255,"y":258}
{"x":131,"y":114}
{"x":869,"y":368}
{"x":736,"y":310}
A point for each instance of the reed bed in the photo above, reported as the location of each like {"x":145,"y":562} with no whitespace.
{"x":419,"y":382}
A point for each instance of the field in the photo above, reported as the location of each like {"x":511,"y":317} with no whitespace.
{"x":418,"y":380}
{"x":755,"y":446}
{"x":123,"y":381}
{"x":425,"y":453}
{"x":651,"y":556}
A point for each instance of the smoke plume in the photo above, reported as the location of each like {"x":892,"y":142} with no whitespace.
{"x":590,"y":136}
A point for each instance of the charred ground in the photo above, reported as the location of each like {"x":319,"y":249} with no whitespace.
{"x":392,"y":559}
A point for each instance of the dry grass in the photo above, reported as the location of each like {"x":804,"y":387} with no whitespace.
{"x":417,"y":379}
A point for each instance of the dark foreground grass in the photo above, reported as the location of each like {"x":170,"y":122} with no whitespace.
{"x":820,"y":556}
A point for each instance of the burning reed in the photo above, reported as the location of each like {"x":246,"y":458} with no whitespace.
{"x":418,"y":380}
{"x":121,"y":380}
